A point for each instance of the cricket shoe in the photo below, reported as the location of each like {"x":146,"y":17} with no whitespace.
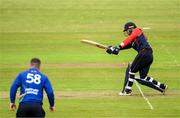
{"x":125,"y":93}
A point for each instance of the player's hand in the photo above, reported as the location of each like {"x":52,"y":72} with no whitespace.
{"x":12,"y":106}
{"x":110,"y":49}
{"x":52,"y":109}
{"x":113,"y":50}
{"x":116,"y":50}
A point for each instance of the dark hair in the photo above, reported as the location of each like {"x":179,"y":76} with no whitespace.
{"x":35,"y":62}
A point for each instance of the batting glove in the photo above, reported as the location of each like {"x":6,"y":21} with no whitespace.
{"x":116,"y":50}
{"x":110,"y":49}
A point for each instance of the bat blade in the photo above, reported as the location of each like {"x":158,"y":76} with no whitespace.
{"x":93,"y":43}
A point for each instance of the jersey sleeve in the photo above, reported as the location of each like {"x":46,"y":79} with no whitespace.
{"x":127,"y":47}
{"x":49,"y":91}
{"x":14,"y":87}
{"x":135,"y":33}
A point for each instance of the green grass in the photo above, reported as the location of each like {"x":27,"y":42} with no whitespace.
{"x":52,"y":30}
{"x":111,"y":107}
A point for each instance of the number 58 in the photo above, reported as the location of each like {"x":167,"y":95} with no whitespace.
{"x":33,"y":78}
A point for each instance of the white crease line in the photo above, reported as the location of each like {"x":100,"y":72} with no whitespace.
{"x":145,"y":98}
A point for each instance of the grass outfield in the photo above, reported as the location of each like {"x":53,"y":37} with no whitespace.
{"x":86,"y":80}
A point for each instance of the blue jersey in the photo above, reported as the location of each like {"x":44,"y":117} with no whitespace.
{"x":32,"y":83}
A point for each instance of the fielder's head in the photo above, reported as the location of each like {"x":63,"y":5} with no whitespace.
{"x":128,"y":27}
{"x":35,"y":63}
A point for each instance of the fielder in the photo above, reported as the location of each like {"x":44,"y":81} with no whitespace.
{"x":32,"y":83}
{"x":142,"y":62}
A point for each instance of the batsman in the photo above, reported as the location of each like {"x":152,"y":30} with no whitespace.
{"x":142,"y":62}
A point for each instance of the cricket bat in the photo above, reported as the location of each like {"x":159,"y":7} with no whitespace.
{"x":93,"y":43}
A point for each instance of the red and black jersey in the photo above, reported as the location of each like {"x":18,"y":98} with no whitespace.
{"x":136,"y":40}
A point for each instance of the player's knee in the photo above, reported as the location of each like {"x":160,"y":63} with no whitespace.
{"x":131,"y":75}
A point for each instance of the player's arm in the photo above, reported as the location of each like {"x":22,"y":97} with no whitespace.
{"x":50,"y":93}
{"x":126,"y":44}
{"x":13,"y":91}
{"x":115,"y":50}
{"x":127,"y":47}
